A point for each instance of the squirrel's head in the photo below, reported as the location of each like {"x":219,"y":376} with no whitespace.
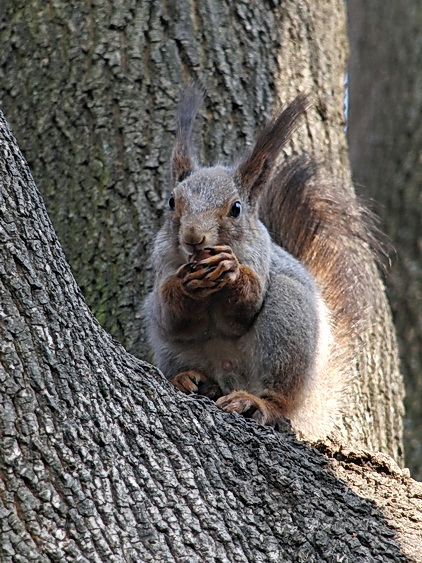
{"x":219,"y":205}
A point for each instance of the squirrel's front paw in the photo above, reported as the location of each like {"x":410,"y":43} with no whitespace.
{"x":196,"y":382}
{"x":216,"y":267}
{"x":251,"y":406}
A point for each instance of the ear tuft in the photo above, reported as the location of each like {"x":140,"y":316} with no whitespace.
{"x":256,"y":168}
{"x":183,"y":161}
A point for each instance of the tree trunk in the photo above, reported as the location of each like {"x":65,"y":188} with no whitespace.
{"x":90,"y":91}
{"x":385,"y":133}
{"x":101,"y":460}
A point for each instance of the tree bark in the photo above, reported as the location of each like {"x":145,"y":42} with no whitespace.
{"x":90,"y":91}
{"x":385,"y":100}
{"x":102,"y":460}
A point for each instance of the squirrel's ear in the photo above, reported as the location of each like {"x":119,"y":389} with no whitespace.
{"x":257,"y":166}
{"x":183,"y":162}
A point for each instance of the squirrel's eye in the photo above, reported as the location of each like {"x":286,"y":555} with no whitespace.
{"x":236,"y":209}
{"x":171,"y":202}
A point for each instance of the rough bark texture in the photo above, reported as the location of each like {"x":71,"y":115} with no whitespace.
{"x":385,"y":133}
{"x":100,"y":460}
{"x":90,"y":91}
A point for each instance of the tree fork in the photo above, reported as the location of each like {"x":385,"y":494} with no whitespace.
{"x":101,"y":125}
{"x":100,"y":461}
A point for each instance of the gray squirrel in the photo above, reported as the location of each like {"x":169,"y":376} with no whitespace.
{"x":258,"y":323}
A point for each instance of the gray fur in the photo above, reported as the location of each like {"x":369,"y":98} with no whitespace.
{"x":280,"y":347}
{"x":285,"y":345}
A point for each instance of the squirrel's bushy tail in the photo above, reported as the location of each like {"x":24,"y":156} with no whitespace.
{"x":326,"y":229}
{"x":330,"y":232}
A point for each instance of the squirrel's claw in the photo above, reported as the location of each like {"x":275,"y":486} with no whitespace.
{"x":192,"y":381}
{"x":212,"y":273}
{"x":251,"y":406}
{"x":187,"y":381}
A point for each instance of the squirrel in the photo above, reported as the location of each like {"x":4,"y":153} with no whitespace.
{"x":258,"y":322}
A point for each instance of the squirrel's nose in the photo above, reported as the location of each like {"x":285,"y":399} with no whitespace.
{"x":192,"y":239}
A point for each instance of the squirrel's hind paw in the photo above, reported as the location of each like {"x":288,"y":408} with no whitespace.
{"x":192,"y":381}
{"x":262,"y":410}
